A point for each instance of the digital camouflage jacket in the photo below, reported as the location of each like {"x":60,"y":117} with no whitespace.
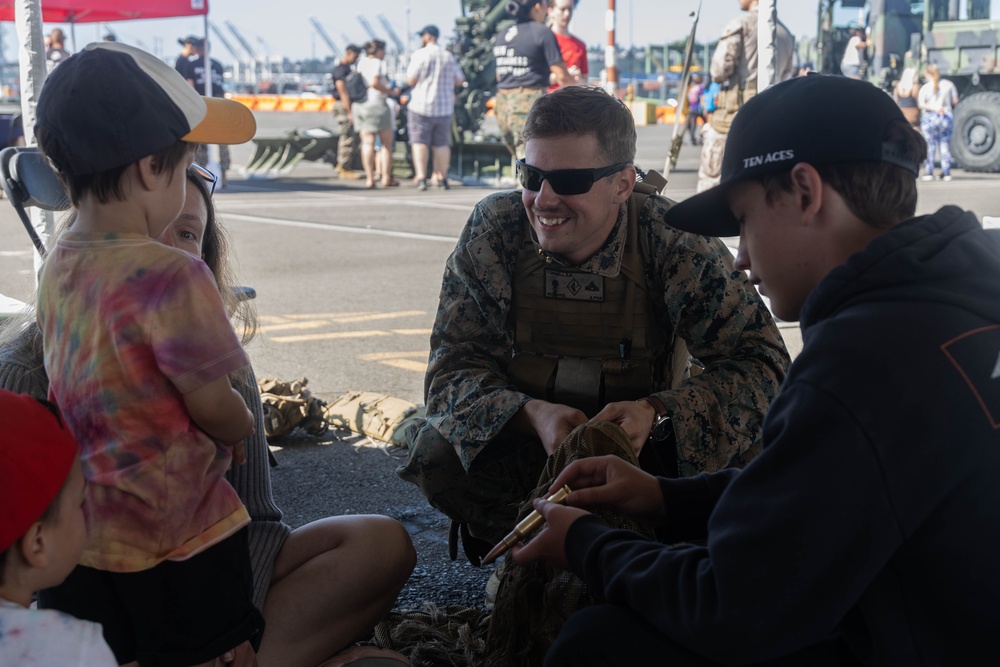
{"x":717,"y":414}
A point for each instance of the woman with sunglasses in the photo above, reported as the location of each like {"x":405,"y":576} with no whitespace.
{"x":319,"y":586}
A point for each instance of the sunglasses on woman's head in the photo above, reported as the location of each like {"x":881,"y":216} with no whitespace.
{"x":564,"y":181}
{"x":206,"y":176}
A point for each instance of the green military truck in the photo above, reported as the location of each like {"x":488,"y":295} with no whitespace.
{"x":957,"y":35}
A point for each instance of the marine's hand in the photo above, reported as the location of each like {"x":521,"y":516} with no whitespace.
{"x":552,"y":422}
{"x":550,"y":542}
{"x":635,"y":417}
{"x":611,"y":483}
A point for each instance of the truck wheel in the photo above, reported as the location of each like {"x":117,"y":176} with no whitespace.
{"x":975,"y":144}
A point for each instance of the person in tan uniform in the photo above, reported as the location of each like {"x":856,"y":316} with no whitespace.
{"x":734,"y":68}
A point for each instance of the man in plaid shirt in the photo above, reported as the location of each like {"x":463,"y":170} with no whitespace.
{"x":433,"y":75}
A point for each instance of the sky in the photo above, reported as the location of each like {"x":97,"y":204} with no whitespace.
{"x":283,"y":27}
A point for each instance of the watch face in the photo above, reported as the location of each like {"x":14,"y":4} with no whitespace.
{"x":662,"y":430}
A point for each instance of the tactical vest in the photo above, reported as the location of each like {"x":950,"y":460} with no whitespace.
{"x":585,"y":340}
{"x":742,"y":85}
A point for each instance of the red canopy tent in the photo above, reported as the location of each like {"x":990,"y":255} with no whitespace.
{"x":104,"y":11}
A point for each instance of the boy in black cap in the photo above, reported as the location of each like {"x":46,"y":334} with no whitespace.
{"x":866,"y":530}
{"x":41,"y":537}
{"x":138,"y":348}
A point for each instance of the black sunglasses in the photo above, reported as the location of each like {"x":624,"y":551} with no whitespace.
{"x":206,"y":176}
{"x":564,"y":181}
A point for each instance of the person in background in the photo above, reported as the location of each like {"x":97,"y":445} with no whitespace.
{"x":734,"y":69}
{"x":373,"y":118}
{"x":692,"y":107}
{"x":905,"y":92}
{"x":526,"y":56}
{"x":41,"y":537}
{"x":187,"y":52}
{"x":937,"y":100}
{"x":855,"y":55}
{"x":55,"y":49}
{"x":195,"y":75}
{"x":433,"y":75}
{"x":574,"y":51}
{"x":343,"y":113}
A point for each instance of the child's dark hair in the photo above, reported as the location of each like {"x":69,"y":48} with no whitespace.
{"x":105,"y":185}
{"x":878,"y":193}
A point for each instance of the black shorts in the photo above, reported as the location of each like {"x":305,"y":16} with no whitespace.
{"x":176,"y":614}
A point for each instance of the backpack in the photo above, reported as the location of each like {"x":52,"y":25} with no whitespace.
{"x":288,"y":405}
{"x":357,"y":87}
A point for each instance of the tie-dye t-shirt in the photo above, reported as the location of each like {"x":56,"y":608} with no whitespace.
{"x":43,"y":637}
{"x":129,"y":326}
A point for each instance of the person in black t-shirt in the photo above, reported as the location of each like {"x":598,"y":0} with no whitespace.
{"x":347,"y":144}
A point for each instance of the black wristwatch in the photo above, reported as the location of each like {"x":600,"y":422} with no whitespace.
{"x":662,"y":428}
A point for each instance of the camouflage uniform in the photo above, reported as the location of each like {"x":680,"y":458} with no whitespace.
{"x":512,"y":106}
{"x":477,"y":472}
{"x":347,"y":142}
{"x":734,"y":67}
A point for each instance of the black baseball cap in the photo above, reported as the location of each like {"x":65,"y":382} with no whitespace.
{"x":431,"y":30}
{"x":353,"y":48}
{"x":111,"y":104}
{"x":193,"y":40}
{"x":816,"y":119}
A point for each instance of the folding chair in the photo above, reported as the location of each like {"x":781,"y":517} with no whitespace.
{"x":28,"y":180}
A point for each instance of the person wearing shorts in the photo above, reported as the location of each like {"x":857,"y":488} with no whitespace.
{"x":433,"y":75}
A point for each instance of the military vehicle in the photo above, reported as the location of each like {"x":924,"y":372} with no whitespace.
{"x":964,"y":44}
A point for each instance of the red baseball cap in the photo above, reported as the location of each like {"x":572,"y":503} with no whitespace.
{"x":37,"y":452}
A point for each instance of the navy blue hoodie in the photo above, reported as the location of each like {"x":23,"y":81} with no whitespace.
{"x":873,"y":512}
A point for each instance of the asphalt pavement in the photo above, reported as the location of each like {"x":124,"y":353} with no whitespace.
{"x":347,"y":282}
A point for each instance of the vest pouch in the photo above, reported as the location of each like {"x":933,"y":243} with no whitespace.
{"x":533,"y":374}
{"x":626,"y":380}
{"x":578,"y":383}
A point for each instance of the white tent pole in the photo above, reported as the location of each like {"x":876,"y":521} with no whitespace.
{"x":31,"y":59}
{"x":208,"y":62}
{"x":767,"y":25}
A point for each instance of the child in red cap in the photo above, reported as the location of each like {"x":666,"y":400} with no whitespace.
{"x":41,"y":537}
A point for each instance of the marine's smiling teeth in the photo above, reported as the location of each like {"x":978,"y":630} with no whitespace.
{"x":551,"y":222}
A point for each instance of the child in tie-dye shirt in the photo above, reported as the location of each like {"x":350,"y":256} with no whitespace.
{"x":138,"y":348}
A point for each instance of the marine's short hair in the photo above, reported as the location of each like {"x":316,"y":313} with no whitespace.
{"x":582,"y":110}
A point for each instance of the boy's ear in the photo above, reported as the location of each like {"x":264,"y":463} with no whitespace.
{"x":32,"y":546}
{"x":807,"y":186}
{"x":147,"y":172}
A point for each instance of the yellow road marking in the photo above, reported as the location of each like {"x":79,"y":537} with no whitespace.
{"x":406,"y":365}
{"x":293,"y":325}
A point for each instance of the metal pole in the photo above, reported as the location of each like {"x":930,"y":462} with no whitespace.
{"x":611,"y":51}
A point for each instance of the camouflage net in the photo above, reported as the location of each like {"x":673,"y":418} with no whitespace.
{"x":453,"y":636}
{"x":289,"y":405}
{"x":532,"y":602}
